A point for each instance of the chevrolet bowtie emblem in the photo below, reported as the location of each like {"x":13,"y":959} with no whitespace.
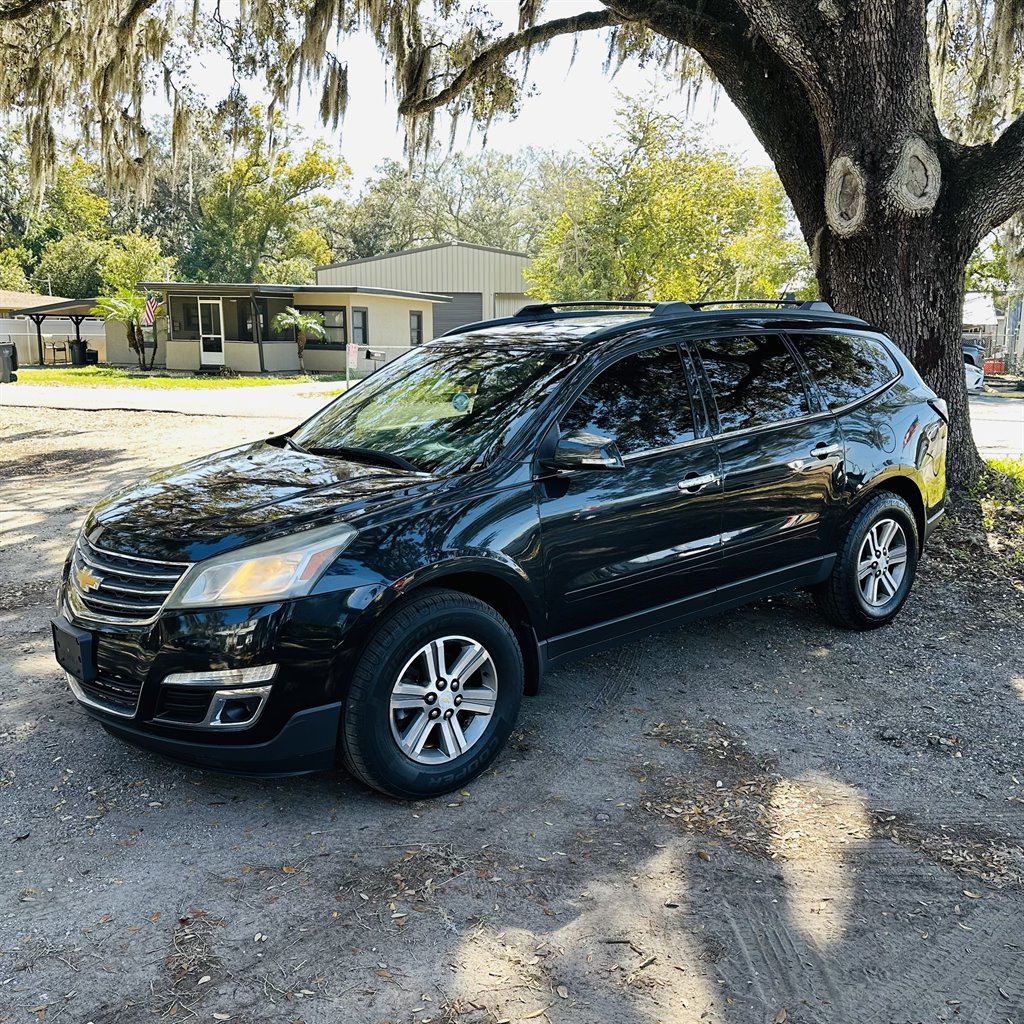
{"x":86,"y":580}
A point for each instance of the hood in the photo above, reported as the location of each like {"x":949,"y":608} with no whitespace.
{"x":218,"y":502}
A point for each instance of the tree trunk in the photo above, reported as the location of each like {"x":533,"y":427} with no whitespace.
{"x":907,"y":278}
{"x":152,"y":358}
{"x":841,"y":100}
{"x":300,"y":343}
{"x":136,"y":341}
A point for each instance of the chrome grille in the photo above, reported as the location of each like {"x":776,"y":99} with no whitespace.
{"x":120,"y":696}
{"x":129,"y":589}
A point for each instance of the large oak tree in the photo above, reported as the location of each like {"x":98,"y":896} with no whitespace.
{"x":893,"y":124}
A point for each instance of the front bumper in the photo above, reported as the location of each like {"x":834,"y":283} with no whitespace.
{"x":312,"y":642}
{"x":305,"y":744}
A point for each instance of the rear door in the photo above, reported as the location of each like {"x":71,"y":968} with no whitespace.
{"x":782,"y":462}
{"x":619,"y":543}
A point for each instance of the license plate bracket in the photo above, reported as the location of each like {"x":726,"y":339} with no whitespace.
{"x":74,"y":649}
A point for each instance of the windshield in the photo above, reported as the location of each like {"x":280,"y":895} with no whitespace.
{"x":438,"y":407}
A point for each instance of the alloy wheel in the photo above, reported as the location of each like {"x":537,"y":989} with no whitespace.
{"x":443,"y":700}
{"x":882,"y":562}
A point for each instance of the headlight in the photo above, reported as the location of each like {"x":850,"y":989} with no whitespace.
{"x":285,"y":568}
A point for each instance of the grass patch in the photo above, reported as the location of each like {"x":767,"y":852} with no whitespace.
{"x":984,"y":531}
{"x":1000,"y":494}
{"x":121,"y":377}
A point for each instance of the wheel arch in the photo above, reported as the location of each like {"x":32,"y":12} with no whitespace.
{"x":496,"y":590}
{"x":903,"y":487}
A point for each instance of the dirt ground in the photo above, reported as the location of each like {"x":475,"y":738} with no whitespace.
{"x":756,"y":818}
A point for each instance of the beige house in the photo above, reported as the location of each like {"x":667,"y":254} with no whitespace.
{"x":205,"y":326}
{"x":483,"y":282}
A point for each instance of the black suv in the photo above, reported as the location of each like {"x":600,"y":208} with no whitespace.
{"x":382,"y":584}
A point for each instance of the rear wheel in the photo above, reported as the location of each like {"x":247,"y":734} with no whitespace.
{"x":876,"y":566}
{"x":434,"y":696}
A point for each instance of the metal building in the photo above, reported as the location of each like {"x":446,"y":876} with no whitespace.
{"x":482,"y":281}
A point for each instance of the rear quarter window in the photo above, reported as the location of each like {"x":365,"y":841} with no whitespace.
{"x":846,"y":367}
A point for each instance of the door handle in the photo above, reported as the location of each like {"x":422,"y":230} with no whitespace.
{"x":823,"y":450}
{"x":694,"y":483}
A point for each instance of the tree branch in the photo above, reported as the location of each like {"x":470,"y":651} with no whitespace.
{"x":15,"y":12}
{"x":501,"y":51}
{"x":994,"y":179}
{"x":131,"y":18}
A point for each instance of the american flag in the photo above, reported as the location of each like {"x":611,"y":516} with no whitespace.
{"x":149,"y":316}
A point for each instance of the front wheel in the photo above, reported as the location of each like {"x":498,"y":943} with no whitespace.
{"x":875,"y":568}
{"x":434,"y":696}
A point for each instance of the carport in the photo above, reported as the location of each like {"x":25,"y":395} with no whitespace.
{"x":75,"y":310}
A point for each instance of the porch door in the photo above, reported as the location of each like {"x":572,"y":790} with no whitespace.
{"x":211,"y":333}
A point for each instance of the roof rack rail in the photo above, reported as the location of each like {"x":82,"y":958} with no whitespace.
{"x":679,"y":308}
{"x":543,"y":308}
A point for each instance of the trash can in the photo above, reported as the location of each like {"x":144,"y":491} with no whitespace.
{"x":78,"y":353}
{"x":8,"y":363}
{"x":92,"y":357}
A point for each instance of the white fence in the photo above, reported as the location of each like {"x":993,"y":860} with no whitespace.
{"x":23,"y":333}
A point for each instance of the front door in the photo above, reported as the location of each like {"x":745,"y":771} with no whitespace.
{"x":782,"y":464}
{"x":211,"y":333}
{"x":626,"y":548}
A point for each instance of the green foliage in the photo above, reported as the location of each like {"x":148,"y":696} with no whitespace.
{"x":127,"y":307}
{"x":291,"y":319}
{"x":657,"y":216}
{"x":987,"y":270}
{"x":12,"y":273}
{"x":997,"y":267}
{"x":116,"y":376}
{"x":73,"y":204}
{"x":1005,"y":479}
{"x":132,"y":258}
{"x":1000,"y":497}
{"x":503,"y":200}
{"x":305,"y":325}
{"x":70,"y":265}
{"x":257,"y":212}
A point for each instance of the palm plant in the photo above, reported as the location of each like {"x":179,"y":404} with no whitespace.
{"x":128,"y":307}
{"x":303,"y":324}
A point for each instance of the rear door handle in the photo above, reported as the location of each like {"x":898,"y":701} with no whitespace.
{"x":694,"y":483}
{"x":823,"y":450}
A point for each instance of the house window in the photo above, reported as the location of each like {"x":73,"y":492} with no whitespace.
{"x":334,"y":324}
{"x":360,"y":326}
{"x":415,"y":327}
{"x":184,"y":318}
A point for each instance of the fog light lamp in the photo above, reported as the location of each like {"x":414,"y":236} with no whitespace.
{"x":236,"y":709}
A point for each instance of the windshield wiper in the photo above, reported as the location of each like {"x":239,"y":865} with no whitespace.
{"x":292,"y":443}
{"x":366,"y":455}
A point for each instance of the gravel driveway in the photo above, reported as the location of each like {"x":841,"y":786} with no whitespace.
{"x":755,"y":818}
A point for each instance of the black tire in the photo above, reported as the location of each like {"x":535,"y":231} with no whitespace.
{"x":370,"y":749}
{"x":841,"y":598}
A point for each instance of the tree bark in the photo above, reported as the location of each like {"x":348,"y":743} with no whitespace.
{"x":840,"y":97}
{"x":908,"y":279}
{"x":135,"y":341}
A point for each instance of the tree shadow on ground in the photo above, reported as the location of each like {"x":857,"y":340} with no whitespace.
{"x":773,"y":827}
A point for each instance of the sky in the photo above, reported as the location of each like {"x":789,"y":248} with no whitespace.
{"x":568,"y":109}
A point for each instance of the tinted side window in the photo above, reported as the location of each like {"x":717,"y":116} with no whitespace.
{"x":845,"y":367}
{"x":641,"y":402}
{"x":755,"y":380}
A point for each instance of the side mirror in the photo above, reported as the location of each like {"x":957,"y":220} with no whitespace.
{"x":580,"y":450}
